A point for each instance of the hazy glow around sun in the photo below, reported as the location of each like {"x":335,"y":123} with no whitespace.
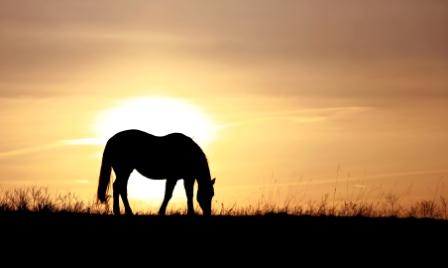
{"x":158,"y":116}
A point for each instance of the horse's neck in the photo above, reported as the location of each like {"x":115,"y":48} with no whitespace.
{"x":203,"y":182}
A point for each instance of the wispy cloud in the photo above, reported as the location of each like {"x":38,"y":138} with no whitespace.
{"x":300,"y":116}
{"x":29,"y":150}
{"x":84,"y":141}
{"x":50,"y":146}
{"x":354,"y":179}
{"x":306,"y":48}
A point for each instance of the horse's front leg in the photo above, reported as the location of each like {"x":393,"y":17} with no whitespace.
{"x":189,"y":185}
{"x":170,"y":183}
{"x":121,"y":189}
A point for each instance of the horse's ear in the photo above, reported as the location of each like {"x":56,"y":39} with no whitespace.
{"x":213,"y":181}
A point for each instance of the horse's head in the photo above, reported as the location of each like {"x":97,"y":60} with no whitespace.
{"x":204,"y":197}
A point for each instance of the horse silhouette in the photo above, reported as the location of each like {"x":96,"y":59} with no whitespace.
{"x":171,"y":157}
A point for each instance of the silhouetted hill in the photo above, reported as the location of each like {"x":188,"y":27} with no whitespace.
{"x":231,"y":236}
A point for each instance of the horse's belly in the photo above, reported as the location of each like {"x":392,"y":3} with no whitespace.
{"x":158,"y":173}
{"x":163,"y":166}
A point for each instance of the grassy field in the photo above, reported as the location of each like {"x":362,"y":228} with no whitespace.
{"x":37,"y":199}
{"x":33,"y":221}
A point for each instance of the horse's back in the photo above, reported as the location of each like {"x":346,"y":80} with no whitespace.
{"x":138,"y":146}
{"x":131,"y":134}
{"x":130,"y":140}
{"x":178,"y":140}
{"x":139,"y":136}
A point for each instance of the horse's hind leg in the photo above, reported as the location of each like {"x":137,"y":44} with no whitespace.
{"x":170,"y":183}
{"x":121,"y":188}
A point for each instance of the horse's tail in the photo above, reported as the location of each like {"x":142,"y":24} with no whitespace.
{"x":104,"y":181}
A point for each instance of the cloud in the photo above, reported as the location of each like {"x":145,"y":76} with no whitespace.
{"x":50,"y":146}
{"x":300,"y":116}
{"x":306,"y":28}
{"x":354,"y":179}
{"x":84,"y":141}
{"x":44,"y":63}
{"x":28,"y":150}
{"x":369,"y":52}
{"x":294,"y":30}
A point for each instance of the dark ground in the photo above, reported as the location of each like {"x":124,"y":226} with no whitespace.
{"x":223,"y":238}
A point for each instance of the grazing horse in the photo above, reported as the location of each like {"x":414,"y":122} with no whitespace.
{"x":171,"y":157}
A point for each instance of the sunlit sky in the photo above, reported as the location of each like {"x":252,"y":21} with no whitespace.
{"x":288,"y":99}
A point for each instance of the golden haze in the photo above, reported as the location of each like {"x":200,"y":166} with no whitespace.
{"x":298,"y":98}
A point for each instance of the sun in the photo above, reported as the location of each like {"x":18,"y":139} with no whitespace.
{"x":158,"y":116}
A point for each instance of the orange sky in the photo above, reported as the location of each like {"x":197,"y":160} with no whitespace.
{"x":306,"y":95}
